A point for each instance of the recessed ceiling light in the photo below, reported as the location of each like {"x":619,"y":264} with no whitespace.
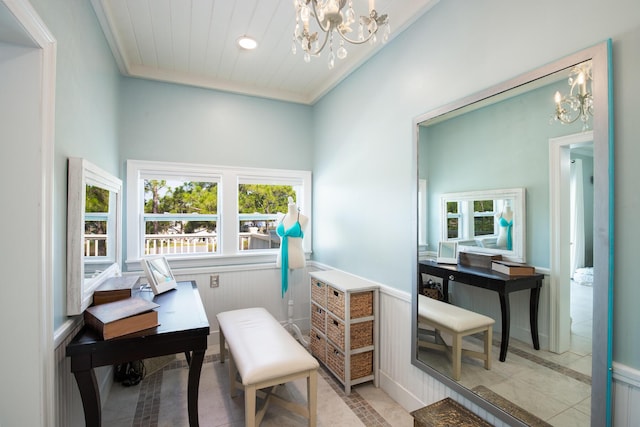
{"x":247,"y":43}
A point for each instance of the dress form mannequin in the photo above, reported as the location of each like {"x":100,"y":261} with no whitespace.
{"x":505,"y":233}
{"x":296,"y":258}
{"x":291,"y":255}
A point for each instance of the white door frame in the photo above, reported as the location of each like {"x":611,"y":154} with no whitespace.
{"x":559,"y":276}
{"x":33,"y":314}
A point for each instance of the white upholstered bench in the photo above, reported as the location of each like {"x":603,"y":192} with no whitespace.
{"x":457,"y":322}
{"x":265,"y":355}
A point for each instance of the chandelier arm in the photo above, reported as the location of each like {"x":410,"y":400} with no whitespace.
{"x":317,"y":52}
{"x":315,"y":15}
{"x":345,"y":38}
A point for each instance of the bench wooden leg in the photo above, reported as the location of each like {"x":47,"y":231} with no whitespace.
{"x":222,"y":344}
{"x":312,"y":397}
{"x":456,"y":355}
{"x":232,"y":376}
{"x":488,"y":337}
{"x":249,"y":406}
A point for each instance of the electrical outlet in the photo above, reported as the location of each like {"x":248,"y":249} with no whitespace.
{"x":214,"y":281}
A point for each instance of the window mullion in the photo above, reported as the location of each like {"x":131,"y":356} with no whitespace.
{"x":229,"y":214}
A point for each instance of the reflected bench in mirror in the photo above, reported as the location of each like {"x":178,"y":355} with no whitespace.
{"x":435,"y":317}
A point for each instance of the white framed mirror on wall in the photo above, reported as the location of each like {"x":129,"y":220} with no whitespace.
{"x":499,"y":139}
{"x":94,"y":229}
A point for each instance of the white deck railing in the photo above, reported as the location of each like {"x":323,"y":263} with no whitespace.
{"x":158,"y":244}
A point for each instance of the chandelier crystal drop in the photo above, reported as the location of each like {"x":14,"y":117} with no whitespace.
{"x":578,"y":104}
{"x":314,"y":17}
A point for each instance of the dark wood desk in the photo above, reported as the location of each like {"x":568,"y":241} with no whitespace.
{"x":184,"y":328}
{"x":500,"y":283}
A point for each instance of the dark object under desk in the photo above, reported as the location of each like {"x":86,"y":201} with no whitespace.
{"x":494,"y":281}
{"x":184,"y":328}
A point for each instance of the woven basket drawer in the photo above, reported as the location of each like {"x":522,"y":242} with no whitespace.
{"x":318,"y":345}
{"x":319,"y":292}
{"x":335,"y":332}
{"x":361,"y":333}
{"x":318,"y":317}
{"x":361,"y":363}
{"x":361,"y":303}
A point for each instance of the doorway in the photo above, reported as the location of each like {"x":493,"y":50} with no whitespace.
{"x":564,"y":223}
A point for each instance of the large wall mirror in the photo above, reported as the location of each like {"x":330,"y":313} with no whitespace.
{"x":507,"y":137}
{"x":94,"y":213}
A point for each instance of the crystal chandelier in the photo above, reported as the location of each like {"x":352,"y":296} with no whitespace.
{"x":578,"y":104}
{"x":331,"y":16}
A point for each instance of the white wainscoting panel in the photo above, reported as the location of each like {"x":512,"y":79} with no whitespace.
{"x":403,"y":382}
{"x":255,"y":286}
{"x":626,"y":396}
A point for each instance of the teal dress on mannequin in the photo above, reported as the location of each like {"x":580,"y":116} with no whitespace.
{"x":295,"y":231}
{"x":509,"y":226}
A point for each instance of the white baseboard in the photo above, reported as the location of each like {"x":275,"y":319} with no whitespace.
{"x":397,"y":392}
{"x":625,"y":374}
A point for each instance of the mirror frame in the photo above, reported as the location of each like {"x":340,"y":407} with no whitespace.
{"x":80,"y":174}
{"x":518,"y":195}
{"x":602,"y":88}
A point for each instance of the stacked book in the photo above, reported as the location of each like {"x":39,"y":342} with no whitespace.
{"x":473,"y":259}
{"x":123,"y":317}
{"x":114,"y":289}
{"x":513,"y":268}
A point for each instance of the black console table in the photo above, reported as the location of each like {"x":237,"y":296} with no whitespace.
{"x":184,"y":328}
{"x":494,"y":281}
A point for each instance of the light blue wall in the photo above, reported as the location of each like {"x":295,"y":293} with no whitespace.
{"x":87,"y":82}
{"x":363,"y":160}
{"x":186,"y":124}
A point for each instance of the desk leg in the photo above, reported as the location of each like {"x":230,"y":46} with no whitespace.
{"x":445,"y":289}
{"x":90,"y":395}
{"x":197,"y":357}
{"x":533,"y":316}
{"x":506,"y":324}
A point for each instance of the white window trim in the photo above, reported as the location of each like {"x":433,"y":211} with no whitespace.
{"x":228,"y":178}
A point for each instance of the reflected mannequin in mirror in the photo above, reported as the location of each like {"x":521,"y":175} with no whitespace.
{"x":505,"y":227}
{"x":291,"y":230}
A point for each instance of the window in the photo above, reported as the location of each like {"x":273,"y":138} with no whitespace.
{"x":258,"y":207}
{"x":454,"y":220}
{"x":483,"y":218}
{"x":191,"y":213}
{"x":489,"y":221}
{"x":180,"y":216}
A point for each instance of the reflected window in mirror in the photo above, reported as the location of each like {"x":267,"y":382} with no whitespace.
{"x":99,"y":220}
{"x":491,"y":221}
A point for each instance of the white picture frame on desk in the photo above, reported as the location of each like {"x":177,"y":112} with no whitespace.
{"x":447,"y":253}
{"x":159,"y":274}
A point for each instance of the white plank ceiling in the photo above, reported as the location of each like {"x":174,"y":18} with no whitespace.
{"x":193,"y":42}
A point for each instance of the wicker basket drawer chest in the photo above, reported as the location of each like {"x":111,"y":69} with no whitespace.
{"x":344,"y":326}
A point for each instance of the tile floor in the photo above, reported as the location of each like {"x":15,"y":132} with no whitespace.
{"x":554,"y":387}
{"x":160,"y":400}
